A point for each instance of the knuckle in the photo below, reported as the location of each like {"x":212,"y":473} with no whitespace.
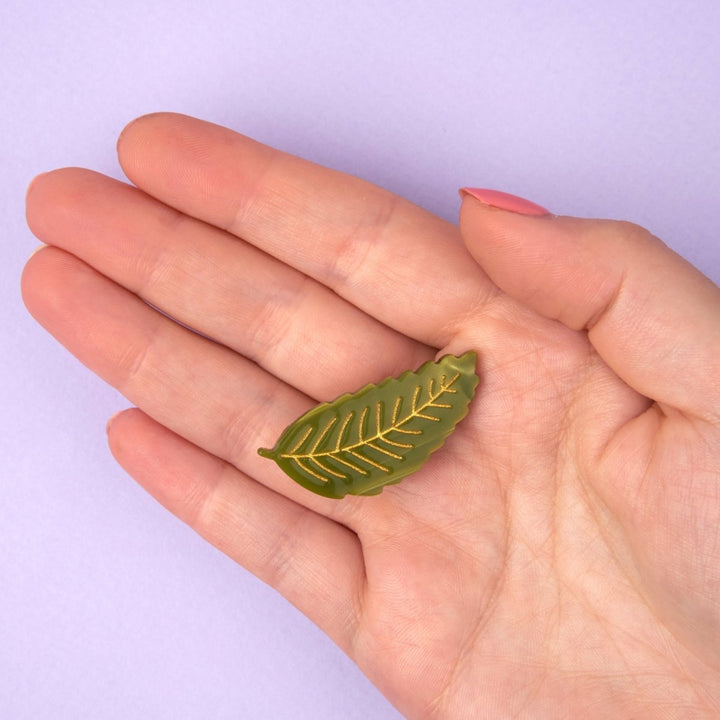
{"x":627,"y":233}
{"x":272,"y":326}
{"x":238,"y":441}
{"x":355,"y":247}
{"x":135,"y":361}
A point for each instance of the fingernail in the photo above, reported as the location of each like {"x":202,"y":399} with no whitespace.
{"x":130,"y":125}
{"x":123,"y":132}
{"x":40,"y":247}
{"x":32,"y":183}
{"x":111,"y":420}
{"x":505,"y":201}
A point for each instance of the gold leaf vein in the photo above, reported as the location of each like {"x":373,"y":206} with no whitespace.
{"x":309,"y":470}
{"x":359,"y":456}
{"x":327,"y":469}
{"x":396,"y":426}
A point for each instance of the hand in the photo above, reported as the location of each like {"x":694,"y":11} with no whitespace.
{"x":559,"y":557}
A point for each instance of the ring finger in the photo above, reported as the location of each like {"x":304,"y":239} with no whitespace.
{"x":203,"y":391}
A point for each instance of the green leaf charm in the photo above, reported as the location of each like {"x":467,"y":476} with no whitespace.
{"x":377,"y":436}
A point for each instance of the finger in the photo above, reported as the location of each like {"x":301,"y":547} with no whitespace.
{"x":397,"y":262}
{"x":313,"y":561}
{"x":651,"y":316}
{"x":202,"y":391}
{"x":293,"y":326}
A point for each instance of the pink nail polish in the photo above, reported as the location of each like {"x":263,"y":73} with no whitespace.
{"x":505,"y":201}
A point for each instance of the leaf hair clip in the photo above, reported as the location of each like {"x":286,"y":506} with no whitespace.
{"x":380,"y":434}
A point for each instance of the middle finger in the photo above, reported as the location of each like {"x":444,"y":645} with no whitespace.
{"x":218,"y":285}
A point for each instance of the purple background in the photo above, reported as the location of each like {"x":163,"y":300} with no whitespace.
{"x":109,"y":606}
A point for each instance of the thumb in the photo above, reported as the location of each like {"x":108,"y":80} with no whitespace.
{"x":651,"y":316}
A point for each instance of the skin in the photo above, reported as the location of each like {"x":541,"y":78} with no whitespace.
{"x":558,"y":558}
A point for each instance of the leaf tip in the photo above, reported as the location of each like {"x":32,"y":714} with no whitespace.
{"x":264,"y":452}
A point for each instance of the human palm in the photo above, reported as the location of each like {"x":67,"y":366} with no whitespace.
{"x":559,"y":557}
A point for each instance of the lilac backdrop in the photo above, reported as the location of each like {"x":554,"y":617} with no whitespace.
{"x":111,"y":608}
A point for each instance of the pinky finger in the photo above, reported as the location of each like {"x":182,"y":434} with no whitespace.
{"x":313,"y":561}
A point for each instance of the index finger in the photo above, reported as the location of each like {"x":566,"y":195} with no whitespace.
{"x":394,"y":260}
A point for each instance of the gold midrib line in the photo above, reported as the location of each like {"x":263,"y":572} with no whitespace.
{"x":416,"y":412}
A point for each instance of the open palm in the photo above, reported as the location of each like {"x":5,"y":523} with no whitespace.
{"x":559,"y":557}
